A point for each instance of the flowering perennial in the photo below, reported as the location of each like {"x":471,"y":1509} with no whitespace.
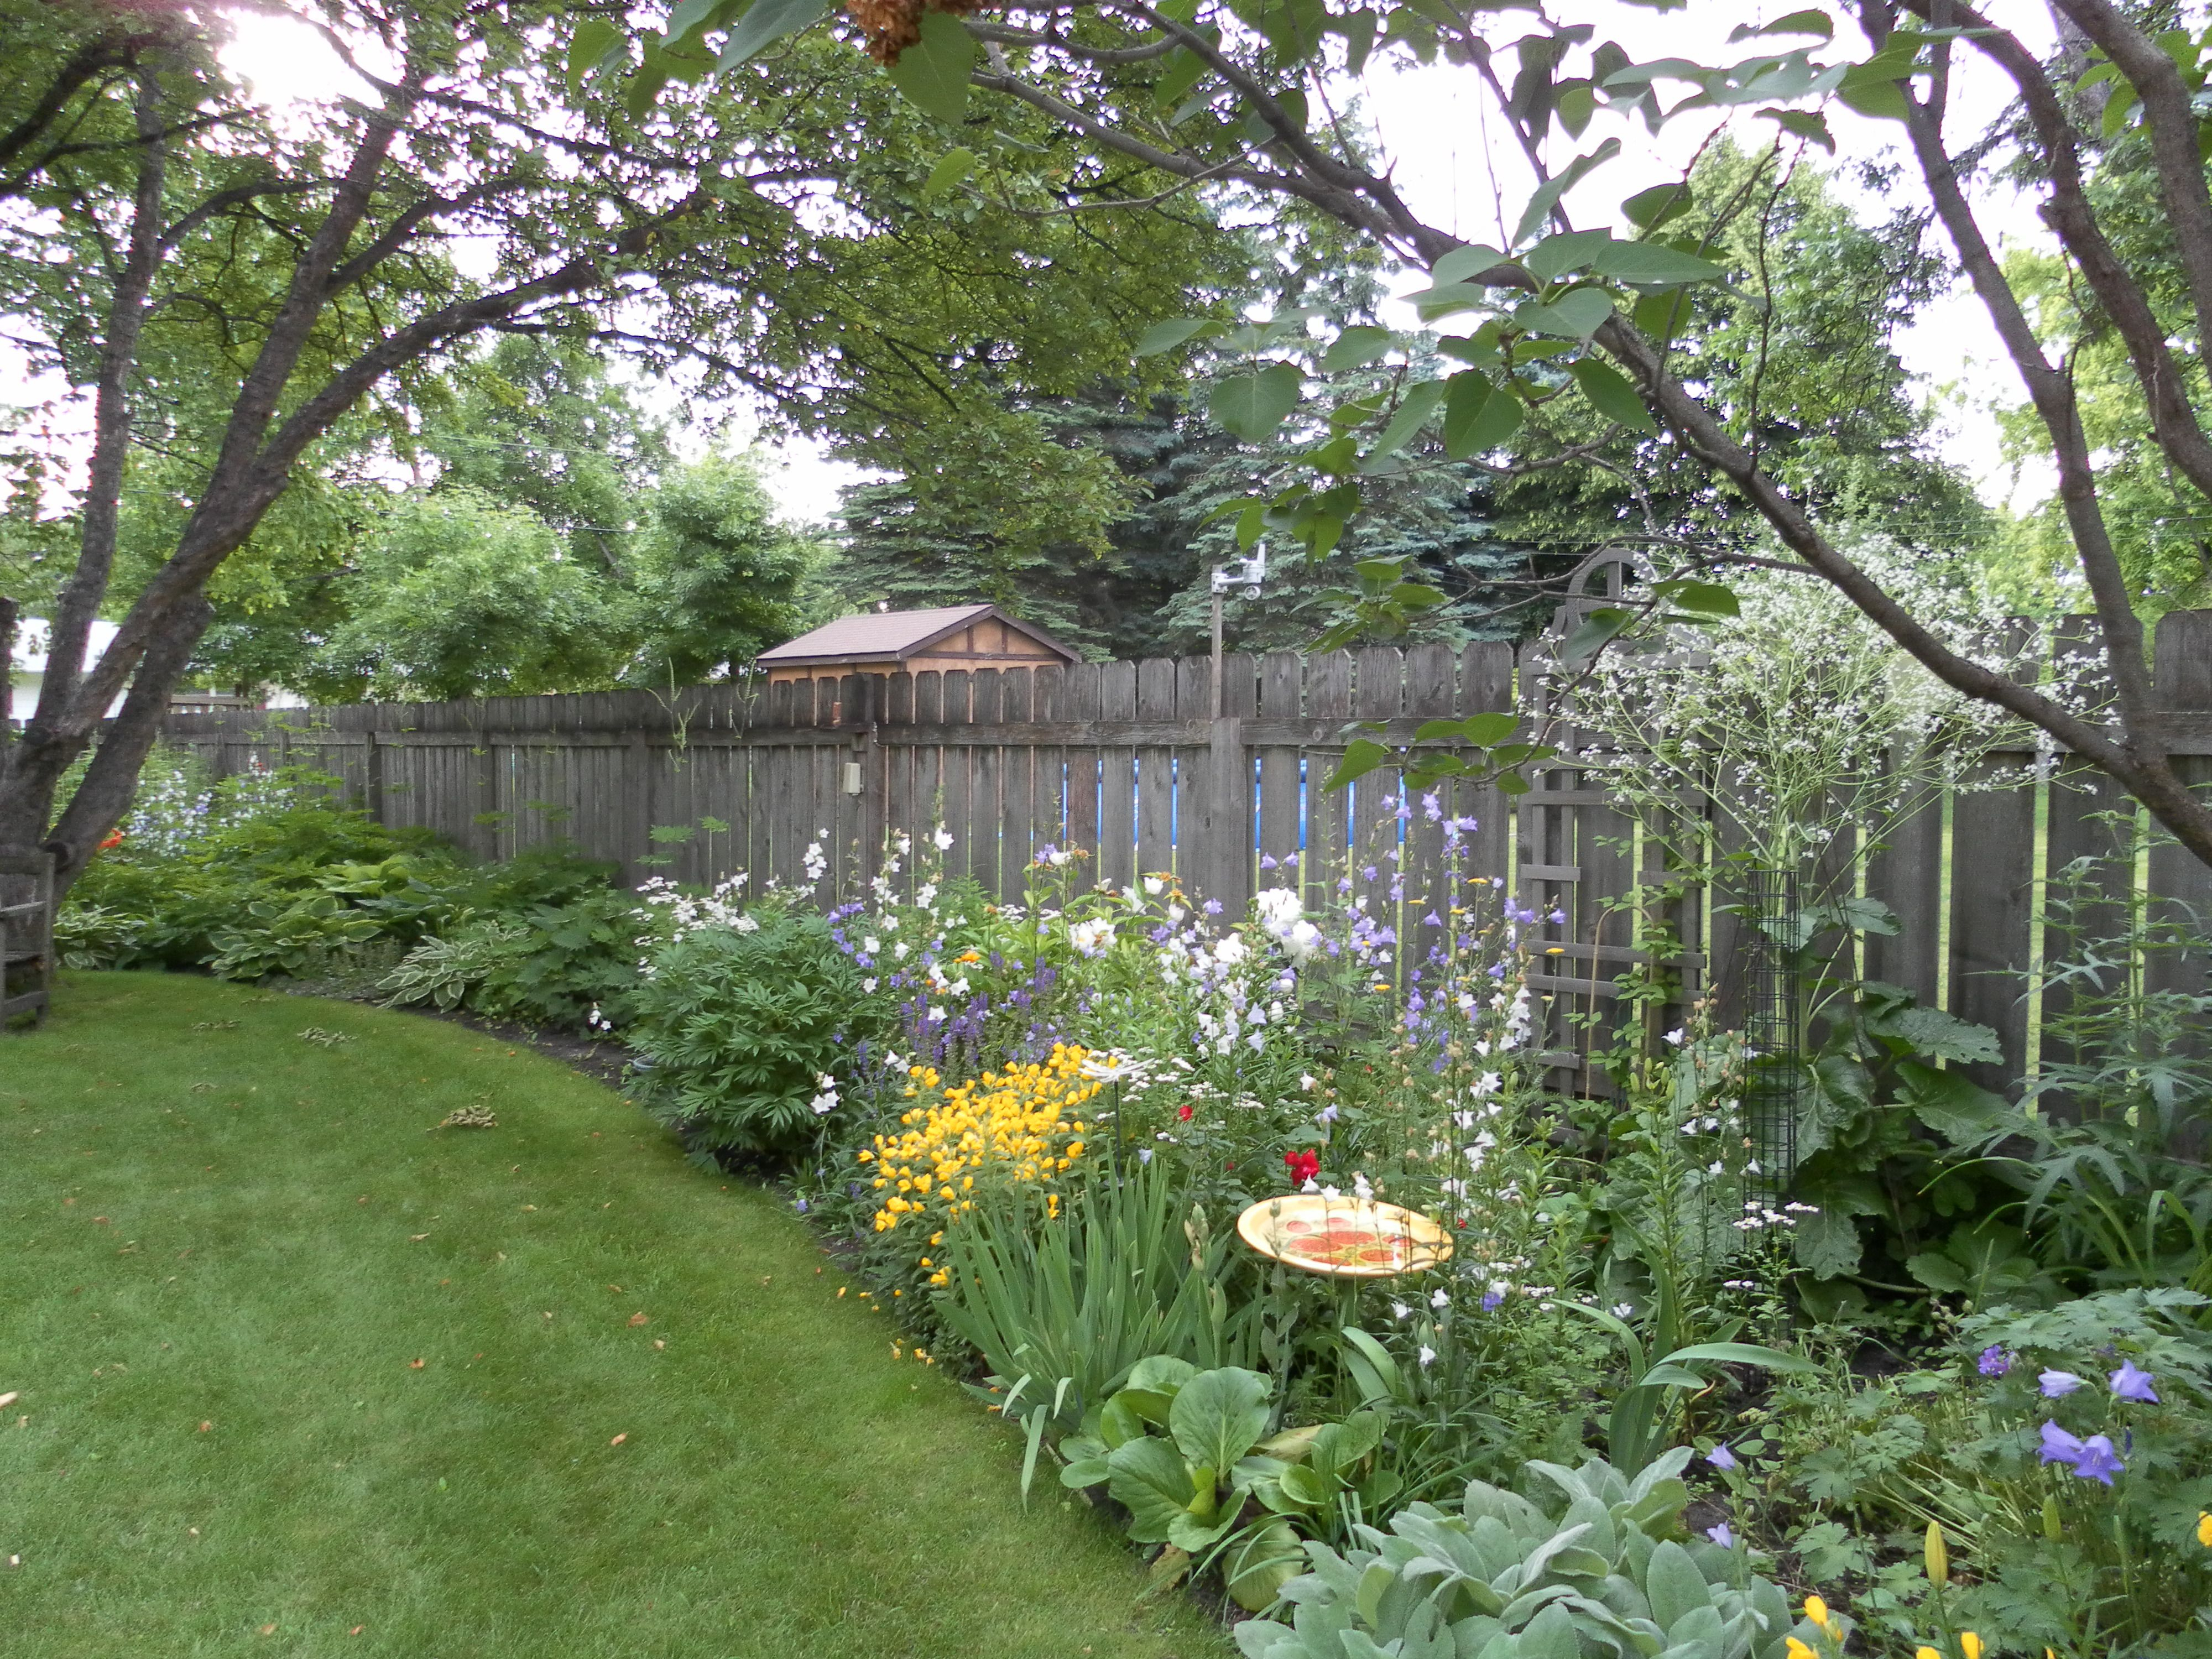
{"x":1020,"y":1125}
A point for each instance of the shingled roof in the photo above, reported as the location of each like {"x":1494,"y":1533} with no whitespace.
{"x":875,"y":635}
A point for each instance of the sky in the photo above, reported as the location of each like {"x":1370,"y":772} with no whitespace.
{"x":1455,"y":167}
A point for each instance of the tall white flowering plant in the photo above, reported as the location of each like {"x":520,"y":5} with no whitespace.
{"x":1800,"y":720}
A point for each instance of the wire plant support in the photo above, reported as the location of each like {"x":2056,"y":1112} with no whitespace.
{"x":1773,"y":1026}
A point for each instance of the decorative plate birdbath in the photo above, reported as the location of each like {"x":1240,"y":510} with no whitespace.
{"x":1343,"y":1237}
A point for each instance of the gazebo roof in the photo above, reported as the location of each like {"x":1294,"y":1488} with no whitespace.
{"x":873,"y":636}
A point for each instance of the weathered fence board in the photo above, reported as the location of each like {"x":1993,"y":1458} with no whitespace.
{"x":1145,"y":768}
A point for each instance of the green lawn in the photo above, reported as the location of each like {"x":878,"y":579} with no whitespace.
{"x":289,"y":1365}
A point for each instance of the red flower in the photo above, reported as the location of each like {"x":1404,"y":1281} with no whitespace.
{"x":115,"y":840}
{"x":1303,"y":1166}
{"x":1183,"y":1112}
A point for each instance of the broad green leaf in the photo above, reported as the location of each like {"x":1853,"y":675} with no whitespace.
{"x":1804,"y":124}
{"x":1356,"y":347}
{"x":1149,"y":1478}
{"x":766,"y":23}
{"x":1220,"y":1415}
{"x":593,"y":38}
{"x":1611,"y":395}
{"x":1361,"y":756}
{"x":1652,"y":262}
{"x":1251,"y":406}
{"x":1827,"y":1243}
{"x":1563,"y":250}
{"x":1178,"y":73}
{"x":955,"y":166}
{"x":1596,"y":631}
{"x":1573,"y":316}
{"x":1797,"y":22}
{"x":1166,"y":337}
{"x":1708,"y":599}
{"x":1446,"y":298}
{"x":1463,"y":262}
{"x":1955,"y":1107}
{"x":1942,"y":1036}
{"x":1359,"y":31}
{"x":1674,"y":1585}
{"x":1648,"y":209}
{"x":932,"y":72}
{"x":1420,"y":402}
{"x":1548,"y":194}
{"x":1478,"y":416}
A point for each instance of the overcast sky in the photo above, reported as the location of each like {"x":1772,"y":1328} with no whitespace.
{"x":1455,"y":167}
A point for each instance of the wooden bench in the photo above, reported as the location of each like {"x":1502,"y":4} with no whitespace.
{"x":27,"y":934}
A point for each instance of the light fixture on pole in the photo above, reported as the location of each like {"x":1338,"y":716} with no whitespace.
{"x":1247,"y":574}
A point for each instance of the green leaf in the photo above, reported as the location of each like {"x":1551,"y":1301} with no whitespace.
{"x":1827,"y":1243}
{"x":1804,"y":124}
{"x":1674,"y":1585}
{"x":1953,"y":1105}
{"x":1562,"y":251}
{"x":1361,"y":756}
{"x":1648,"y":209}
{"x":1478,"y":417}
{"x":1420,"y":402}
{"x":932,"y":72}
{"x":1652,"y":262}
{"x":1252,"y":406}
{"x":1149,"y":1478}
{"x":1178,"y":73}
{"x":1573,"y":316}
{"x":766,"y":23}
{"x":1463,"y":262}
{"x":955,"y":166}
{"x":595,"y":37}
{"x":1220,"y":1415}
{"x":1356,"y":347}
{"x":1942,"y":1036}
{"x":1596,"y":631}
{"x":1166,"y":337}
{"x":1611,"y":395}
{"x":1797,"y":22}
{"x":1707,"y":599}
{"x":1548,"y":194}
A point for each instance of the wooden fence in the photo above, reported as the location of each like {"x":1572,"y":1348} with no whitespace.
{"x":1142,"y":768}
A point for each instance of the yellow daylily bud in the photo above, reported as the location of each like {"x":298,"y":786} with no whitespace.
{"x":1797,"y":1650}
{"x":1817,"y":1611}
{"x":1969,"y":1644}
{"x":1926,"y":1653}
{"x":1939,"y":1557}
{"x":2204,"y":1529}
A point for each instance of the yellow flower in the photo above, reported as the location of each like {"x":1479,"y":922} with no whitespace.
{"x":1926,"y":1653}
{"x":1817,"y":1611}
{"x":1969,"y":1644}
{"x":1797,"y":1650}
{"x":2204,"y":1529}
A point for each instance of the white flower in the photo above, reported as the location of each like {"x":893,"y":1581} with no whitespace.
{"x":1177,"y":913}
{"x":1360,"y":1187}
{"x":1309,"y":1083}
{"x":935,"y":1013}
{"x":1713,"y":1168}
{"x":745,"y":924}
{"x":1674,"y":1037}
{"x":1092,"y":938}
{"x":1328,"y":1192}
{"x":1439,"y":1300}
{"x":1622,"y":1310}
{"x":1399,"y":1310}
{"x":1155,"y":886}
{"x":1230,"y":950}
{"x":899,"y":951}
{"x":1428,"y":1356}
{"x":871,"y":946}
{"x":943,"y":839}
{"x":868,"y":985}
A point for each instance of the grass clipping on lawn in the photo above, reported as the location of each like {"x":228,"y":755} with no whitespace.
{"x":287,"y":1369}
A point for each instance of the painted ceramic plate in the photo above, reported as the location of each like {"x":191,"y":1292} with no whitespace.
{"x":1348,"y":1238}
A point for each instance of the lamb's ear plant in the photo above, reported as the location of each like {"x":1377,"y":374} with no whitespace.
{"x":1604,"y":1568}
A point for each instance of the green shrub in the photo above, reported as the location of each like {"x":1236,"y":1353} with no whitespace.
{"x":446,"y":970}
{"x":736,"y":1027}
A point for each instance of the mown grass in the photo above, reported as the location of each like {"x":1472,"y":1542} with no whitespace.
{"x":293,"y":1364}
